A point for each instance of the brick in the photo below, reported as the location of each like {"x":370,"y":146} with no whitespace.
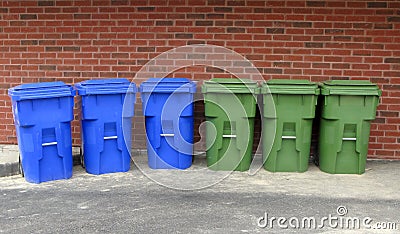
{"x":275,"y":30}
{"x":392,"y":60}
{"x":313,"y":45}
{"x":223,"y":9}
{"x":183,"y":36}
{"x":204,"y":23}
{"x":302,"y":24}
{"x":28,"y":17}
{"x":235,"y":30}
{"x":315,"y":3}
{"x":273,"y":71}
{"x":145,"y":9}
{"x":377,"y":5}
{"x":393,"y":19}
{"x":45,"y":3}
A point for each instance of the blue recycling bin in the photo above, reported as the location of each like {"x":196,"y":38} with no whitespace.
{"x":42,"y":115}
{"x":168,"y":111}
{"x":106,"y":121}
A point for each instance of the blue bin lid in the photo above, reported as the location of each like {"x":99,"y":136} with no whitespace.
{"x":41,"y":90}
{"x":168,"y":85}
{"x":105,"y":86}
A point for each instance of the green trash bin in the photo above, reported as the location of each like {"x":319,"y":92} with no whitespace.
{"x":348,"y":108}
{"x":290,"y":125}
{"x":230,"y":107}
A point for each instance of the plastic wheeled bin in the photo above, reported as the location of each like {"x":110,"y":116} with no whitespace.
{"x":168,"y":111}
{"x":42,"y":114}
{"x":106,"y":120}
{"x":348,"y":108}
{"x":290,"y":125}
{"x":230,"y":108}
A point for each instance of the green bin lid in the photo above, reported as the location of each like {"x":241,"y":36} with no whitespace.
{"x":286,"y":86}
{"x":228,"y":85}
{"x":350,"y":87}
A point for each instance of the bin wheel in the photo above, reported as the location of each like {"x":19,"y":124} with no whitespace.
{"x":81,"y":157}
{"x":20,"y":169}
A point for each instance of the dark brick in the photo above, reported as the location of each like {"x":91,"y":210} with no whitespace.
{"x":377,"y":5}
{"x":48,"y":67}
{"x":334,"y":31}
{"x":195,"y":16}
{"x":216,"y":2}
{"x":29,"y":42}
{"x":82,"y":16}
{"x":340,"y":78}
{"x":214,"y":70}
{"x":236,"y":3}
{"x":315,"y":3}
{"x":146,"y":49}
{"x":72,"y":74}
{"x":53,"y":48}
{"x":321,"y":65}
{"x":389,"y":113}
{"x":393,"y":19}
{"x":18,"y":23}
{"x":183,"y":36}
{"x":392,"y":60}
{"x":215,"y":16}
{"x":313,"y":45}
{"x":224,"y":23}
{"x":164,"y":23}
{"x":362,"y":25}
{"x":119,"y":2}
{"x":262,"y":10}
{"x":383,"y":26}
{"x":196,"y":42}
{"x":71,"y":48}
{"x":302,"y":24}
{"x":45,"y":3}
{"x":380,"y":120}
{"x":223,"y":9}
{"x":145,"y":9}
{"x":379,"y":80}
{"x":28,"y":17}
{"x":3,"y":10}
{"x":282,"y":64}
{"x":204,"y":23}
{"x":275,"y":30}
{"x":273,"y":71}
{"x":235,"y":30}
{"x":391,"y":87}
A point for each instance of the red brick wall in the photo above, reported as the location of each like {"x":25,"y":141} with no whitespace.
{"x":75,"y":40}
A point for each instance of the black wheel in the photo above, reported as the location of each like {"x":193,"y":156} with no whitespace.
{"x":21,"y":170}
{"x":81,"y":157}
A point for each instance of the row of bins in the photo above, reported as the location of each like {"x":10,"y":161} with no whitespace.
{"x":43,"y":113}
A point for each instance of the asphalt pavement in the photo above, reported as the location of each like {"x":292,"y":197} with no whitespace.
{"x":201,"y":201}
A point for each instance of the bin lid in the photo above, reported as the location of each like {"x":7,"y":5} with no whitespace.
{"x":350,"y":87}
{"x":41,"y":90}
{"x":168,"y":85}
{"x":286,"y":86}
{"x":105,"y":86}
{"x":229,"y":85}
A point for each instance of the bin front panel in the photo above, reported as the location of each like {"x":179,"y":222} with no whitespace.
{"x":168,"y":111}
{"x":347,"y":111}
{"x":229,"y":137}
{"x":107,"y":109}
{"x":292,"y":136}
{"x":42,"y":120}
